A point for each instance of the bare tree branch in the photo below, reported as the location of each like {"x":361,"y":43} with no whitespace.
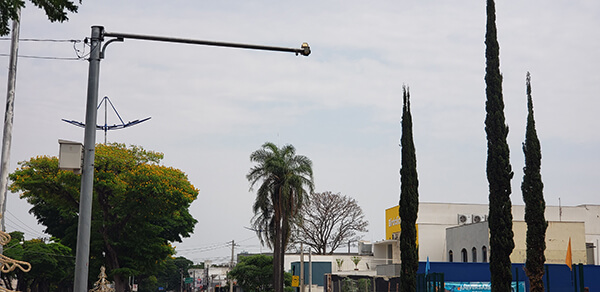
{"x":329,"y":220}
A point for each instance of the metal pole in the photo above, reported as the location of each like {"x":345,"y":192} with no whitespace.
{"x":87,"y":177}
{"x":8,"y":117}
{"x":231,"y":266}
{"x":303,"y":50}
{"x":105,"y":120}
{"x":309,"y":269}
{"x":301,"y":267}
{"x":82,"y":255}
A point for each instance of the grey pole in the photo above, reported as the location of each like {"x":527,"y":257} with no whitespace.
{"x":230,"y":267}
{"x":87,"y":178}
{"x":301,"y":266}
{"x":8,"y":117}
{"x":82,"y":256}
{"x":309,"y":269}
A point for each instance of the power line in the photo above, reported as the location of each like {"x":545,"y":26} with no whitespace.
{"x":24,"y":226}
{"x":47,"y":57}
{"x":44,"y":40}
{"x":81,"y":55}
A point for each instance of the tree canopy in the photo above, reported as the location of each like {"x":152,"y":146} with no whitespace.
{"x":56,"y":10}
{"x":51,"y":262}
{"x":139,"y":207}
{"x":329,"y":220}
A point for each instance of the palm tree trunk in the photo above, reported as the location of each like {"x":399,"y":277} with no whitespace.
{"x":277,"y":259}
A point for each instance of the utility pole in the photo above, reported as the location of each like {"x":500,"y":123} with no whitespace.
{"x":82,"y":254}
{"x":231,"y":266}
{"x":89,"y":145}
{"x":8,"y":117}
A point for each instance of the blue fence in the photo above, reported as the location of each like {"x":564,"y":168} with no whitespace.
{"x":557,"y":278}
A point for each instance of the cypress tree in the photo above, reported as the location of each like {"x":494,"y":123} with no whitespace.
{"x":409,"y":201}
{"x":533,"y":196}
{"x":498,"y":169}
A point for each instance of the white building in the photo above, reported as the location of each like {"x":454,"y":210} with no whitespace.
{"x":443,"y":227}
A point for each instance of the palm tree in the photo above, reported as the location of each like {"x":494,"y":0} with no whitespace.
{"x":284,"y":177}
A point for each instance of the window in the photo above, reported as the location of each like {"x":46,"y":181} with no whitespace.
{"x":463,"y":254}
{"x":484,"y":254}
{"x":450,"y":256}
{"x":474,"y":252}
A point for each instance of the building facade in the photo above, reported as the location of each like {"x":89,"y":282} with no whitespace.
{"x":444,"y":230}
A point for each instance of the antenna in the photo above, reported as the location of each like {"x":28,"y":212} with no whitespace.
{"x":106,"y":127}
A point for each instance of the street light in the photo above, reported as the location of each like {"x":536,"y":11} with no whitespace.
{"x":87,"y":178}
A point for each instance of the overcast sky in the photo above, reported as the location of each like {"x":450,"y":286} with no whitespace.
{"x":341,"y":106}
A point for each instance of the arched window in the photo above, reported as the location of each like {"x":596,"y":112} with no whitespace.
{"x":484,"y":254}
{"x":463,"y":254}
{"x":474,"y":252}
{"x":450,"y":256}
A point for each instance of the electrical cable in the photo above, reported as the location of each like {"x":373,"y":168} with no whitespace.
{"x":43,"y":40}
{"x":24,"y":227}
{"x":45,"y":57}
{"x":81,"y":55}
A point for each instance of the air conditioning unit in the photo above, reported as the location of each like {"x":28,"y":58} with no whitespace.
{"x":478,"y":218}
{"x":464,"y":219}
{"x":365,"y":248}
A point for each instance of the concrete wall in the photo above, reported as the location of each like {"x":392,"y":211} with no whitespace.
{"x":468,"y":237}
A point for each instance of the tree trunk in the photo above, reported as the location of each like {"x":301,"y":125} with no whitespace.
{"x":112,"y":262}
{"x":277,"y":247}
{"x":120,"y":283}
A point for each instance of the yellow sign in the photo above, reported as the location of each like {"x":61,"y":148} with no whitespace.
{"x":392,"y":223}
{"x":295,"y":281}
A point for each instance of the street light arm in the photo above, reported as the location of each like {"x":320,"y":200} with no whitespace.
{"x":304,"y":50}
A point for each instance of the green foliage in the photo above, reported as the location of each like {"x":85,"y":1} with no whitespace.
{"x":356,"y":260}
{"x":254,"y":273}
{"x":535,"y":205}
{"x":364,"y":285}
{"x":349,"y":285}
{"x":51,"y":264}
{"x":339,"y":263}
{"x":498,"y":169}
{"x":409,"y":201}
{"x":284,"y":178}
{"x":56,"y":10}
{"x":135,"y":201}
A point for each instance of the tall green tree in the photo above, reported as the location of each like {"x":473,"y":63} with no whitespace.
{"x":535,"y":205}
{"x":56,"y":10}
{"x":285,"y":181}
{"x":499,"y":171}
{"x":135,"y":201}
{"x":409,"y":201}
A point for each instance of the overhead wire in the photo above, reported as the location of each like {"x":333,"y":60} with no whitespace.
{"x":24,"y":225}
{"x":81,"y":55}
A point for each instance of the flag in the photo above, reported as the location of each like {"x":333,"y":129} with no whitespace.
{"x":427,"y":266}
{"x":569,"y":258}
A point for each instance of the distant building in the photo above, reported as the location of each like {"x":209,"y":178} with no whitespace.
{"x":455,"y":232}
